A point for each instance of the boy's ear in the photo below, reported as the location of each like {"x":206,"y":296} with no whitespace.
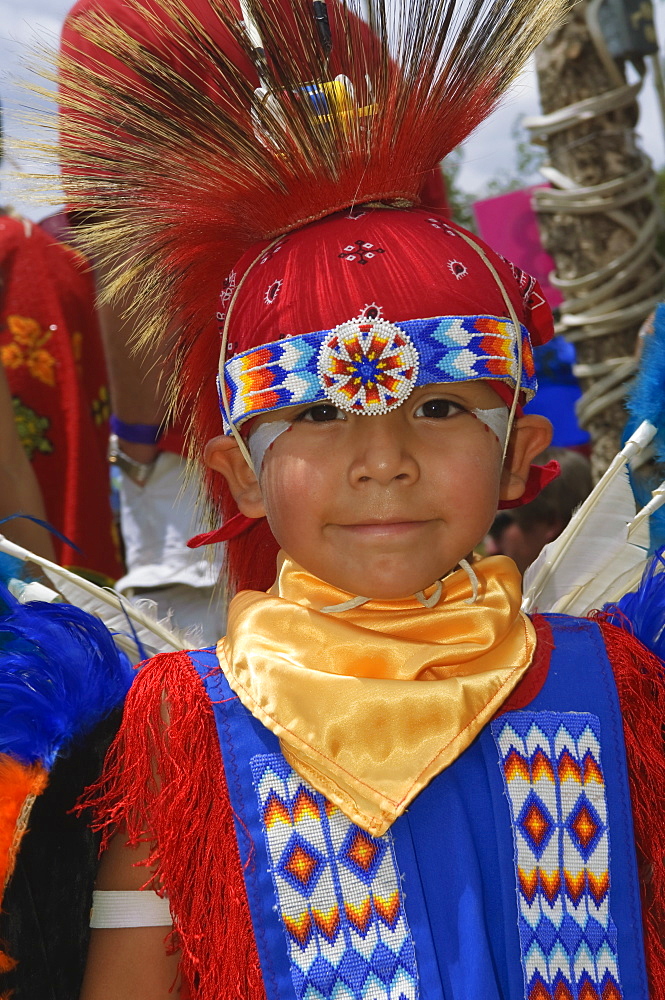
{"x":223,"y":455}
{"x":531,"y":434}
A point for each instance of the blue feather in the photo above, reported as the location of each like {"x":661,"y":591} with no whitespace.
{"x":644,"y":609}
{"x":42,"y":524}
{"x":10,"y":568}
{"x":646,"y":400}
{"x":60,"y":674}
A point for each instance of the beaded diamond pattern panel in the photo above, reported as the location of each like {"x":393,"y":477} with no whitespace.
{"x":556,"y":790}
{"x":338,"y":894}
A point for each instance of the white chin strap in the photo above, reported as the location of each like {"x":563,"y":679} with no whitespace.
{"x":263,"y":436}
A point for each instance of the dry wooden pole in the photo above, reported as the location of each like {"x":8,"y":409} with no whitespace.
{"x":599,"y":220}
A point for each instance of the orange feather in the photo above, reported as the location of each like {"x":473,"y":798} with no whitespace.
{"x":20,"y":784}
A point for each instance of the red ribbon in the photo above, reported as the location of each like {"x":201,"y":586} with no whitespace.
{"x":234,"y":527}
{"x":539,"y":477}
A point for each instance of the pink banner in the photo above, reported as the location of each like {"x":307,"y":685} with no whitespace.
{"x":508,"y":223}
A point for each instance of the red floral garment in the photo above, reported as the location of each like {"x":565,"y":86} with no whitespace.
{"x":51,"y":350}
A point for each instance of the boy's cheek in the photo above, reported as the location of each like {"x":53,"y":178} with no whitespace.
{"x":288,"y":491}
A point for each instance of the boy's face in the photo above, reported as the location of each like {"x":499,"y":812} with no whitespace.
{"x":382,"y":506}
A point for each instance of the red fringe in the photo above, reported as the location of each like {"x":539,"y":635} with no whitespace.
{"x":640,"y":680}
{"x":165,"y":784}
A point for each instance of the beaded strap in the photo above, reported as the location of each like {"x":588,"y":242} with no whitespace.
{"x":370,"y":366}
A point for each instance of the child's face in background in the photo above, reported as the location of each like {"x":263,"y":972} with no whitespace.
{"x":383,"y":506}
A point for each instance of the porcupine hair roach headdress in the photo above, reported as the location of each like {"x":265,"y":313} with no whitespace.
{"x":196,"y":142}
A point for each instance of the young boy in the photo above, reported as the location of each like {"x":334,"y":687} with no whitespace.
{"x":424,"y":783}
{"x":385,"y":782}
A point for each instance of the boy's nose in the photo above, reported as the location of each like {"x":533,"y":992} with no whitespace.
{"x":382,"y":453}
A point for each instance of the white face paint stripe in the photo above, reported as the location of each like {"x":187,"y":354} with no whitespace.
{"x":497,"y":421}
{"x":262,"y":437}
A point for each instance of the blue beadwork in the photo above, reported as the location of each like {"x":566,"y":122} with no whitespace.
{"x":551,"y":766}
{"x":293,"y":371}
{"x":337,"y":891}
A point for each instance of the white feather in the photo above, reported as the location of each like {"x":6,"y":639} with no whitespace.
{"x":113,"y":609}
{"x":32,"y":591}
{"x":627,"y":582}
{"x":573,"y":572}
{"x":625,"y":558}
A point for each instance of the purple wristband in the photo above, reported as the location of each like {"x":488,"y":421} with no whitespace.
{"x":136,"y":433}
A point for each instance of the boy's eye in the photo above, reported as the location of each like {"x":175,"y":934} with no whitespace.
{"x":438,"y":409}
{"x":321,"y":413}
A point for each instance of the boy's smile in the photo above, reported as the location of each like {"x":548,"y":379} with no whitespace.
{"x":383,"y":506}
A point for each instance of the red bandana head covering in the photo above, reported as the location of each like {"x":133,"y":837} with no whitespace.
{"x":400,"y":265}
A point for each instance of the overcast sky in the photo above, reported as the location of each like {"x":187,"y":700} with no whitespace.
{"x":24,"y":24}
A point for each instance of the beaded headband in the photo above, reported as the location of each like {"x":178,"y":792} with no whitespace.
{"x":369,"y":365}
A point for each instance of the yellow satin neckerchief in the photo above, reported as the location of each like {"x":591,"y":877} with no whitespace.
{"x":339,"y":689}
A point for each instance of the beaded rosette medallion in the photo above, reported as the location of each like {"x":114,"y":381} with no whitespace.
{"x":368,"y":366}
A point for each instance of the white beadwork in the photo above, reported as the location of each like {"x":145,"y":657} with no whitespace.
{"x":368,"y":366}
{"x":338,"y":894}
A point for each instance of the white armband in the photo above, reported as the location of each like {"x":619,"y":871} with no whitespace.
{"x":125,"y":908}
